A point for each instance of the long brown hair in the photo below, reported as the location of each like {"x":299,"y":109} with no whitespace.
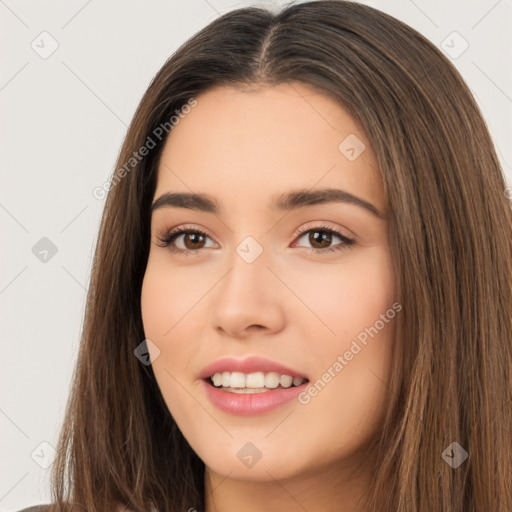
{"x":450,"y":229}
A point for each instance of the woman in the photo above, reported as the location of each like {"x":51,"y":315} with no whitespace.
{"x":301,"y":292}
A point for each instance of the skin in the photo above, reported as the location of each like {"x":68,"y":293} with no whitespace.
{"x":291,"y":305}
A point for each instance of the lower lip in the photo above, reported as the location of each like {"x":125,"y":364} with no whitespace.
{"x":248,"y":404}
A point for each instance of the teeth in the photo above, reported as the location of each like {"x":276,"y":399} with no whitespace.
{"x":272,"y":380}
{"x":253,"y":380}
{"x":297,"y":381}
{"x":239,"y":382}
{"x":286,"y":381}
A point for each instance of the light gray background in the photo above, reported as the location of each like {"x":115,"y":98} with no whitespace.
{"x":63,"y":121}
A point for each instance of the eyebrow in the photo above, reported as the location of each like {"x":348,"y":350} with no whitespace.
{"x":285,"y":202}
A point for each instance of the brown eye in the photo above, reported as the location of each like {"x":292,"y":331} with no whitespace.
{"x":319,"y":239}
{"x":184,"y":240}
{"x":193,"y":240}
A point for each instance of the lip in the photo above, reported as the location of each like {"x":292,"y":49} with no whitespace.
{"x":249,"y":365}
{"x":249,"y":404}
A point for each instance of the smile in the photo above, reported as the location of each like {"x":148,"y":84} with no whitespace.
{"x":256,"y":382}
{"x":244,"y":394}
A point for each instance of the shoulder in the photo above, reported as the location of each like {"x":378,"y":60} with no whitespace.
{"x":37,"y":508}
{"x":48,"y":508}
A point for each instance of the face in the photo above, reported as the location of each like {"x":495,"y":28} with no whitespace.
{"x":265,"y":284}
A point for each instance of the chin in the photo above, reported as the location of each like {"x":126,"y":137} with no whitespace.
{"x":257,"y":461}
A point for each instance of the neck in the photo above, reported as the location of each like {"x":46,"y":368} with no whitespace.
{"x":326,"y":489}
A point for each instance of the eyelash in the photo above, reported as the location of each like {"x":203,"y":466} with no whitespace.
{"x":172,"y":234}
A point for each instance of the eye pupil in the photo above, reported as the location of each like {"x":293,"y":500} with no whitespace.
{"x":318,"y":237}
{"x":195,"y":236}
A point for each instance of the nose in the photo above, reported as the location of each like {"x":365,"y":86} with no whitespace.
{"x":249,"y":299}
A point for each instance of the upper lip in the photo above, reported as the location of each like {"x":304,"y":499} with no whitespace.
{"x":248,"y":365}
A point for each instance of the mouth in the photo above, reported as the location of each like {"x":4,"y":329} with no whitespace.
{"x":256,"y":382}
{"x":254,"y":385}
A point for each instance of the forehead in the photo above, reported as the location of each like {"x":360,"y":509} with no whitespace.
{"x":236,"y":144}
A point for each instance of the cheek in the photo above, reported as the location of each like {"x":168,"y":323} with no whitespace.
{"x":162,"y":310}
{"x":353,"y":360}
{"x":346,"y":401}
{"x":347,"y":297}
{"x":153,"y":308}
{"x":165,"y":302}
{"x":168,"y":296}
